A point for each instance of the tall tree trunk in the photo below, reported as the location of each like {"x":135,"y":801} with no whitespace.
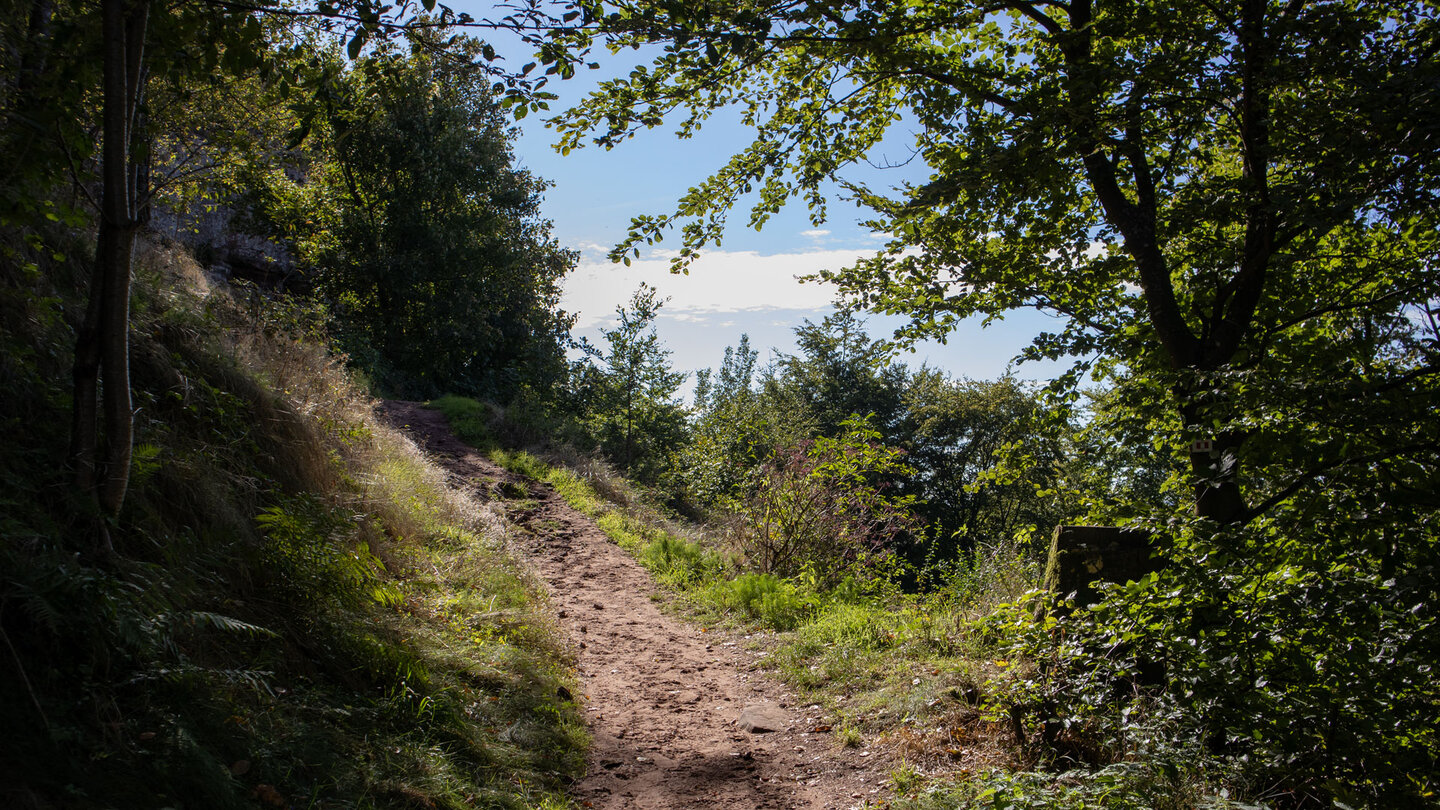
{"x":35,"y":52}
{"x":101,"y":453}
{"x":1215,"y":469}
{"x":84,"y":426}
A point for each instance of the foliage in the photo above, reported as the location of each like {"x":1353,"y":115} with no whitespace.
{"x":839,"y":373}
{"x":89,"y":94}
{"x":822,"y":507}
{"x":1258,"y":639}
{"x":991,"y":461}
{"x":765,"y":598}
{"x":289,"y":608}
{"x":628,"y":406}
{"x":743,"y":413}
{"x":424,"y":238}
{"x":1232,"y":210}
{"x":1177,"y":234}
{"x":731,"y":428}
{"x":986,"y":461}
{"x":1122,"y":786}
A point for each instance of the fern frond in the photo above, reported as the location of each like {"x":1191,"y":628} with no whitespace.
{"x":228,"y":624}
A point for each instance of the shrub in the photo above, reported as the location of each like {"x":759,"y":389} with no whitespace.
{"x":823,"y":505}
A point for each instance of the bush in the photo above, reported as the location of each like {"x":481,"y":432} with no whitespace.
{"x":1282,"y":651}
{"x":823,"y":506}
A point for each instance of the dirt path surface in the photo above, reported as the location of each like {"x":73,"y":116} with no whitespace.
{"x":667,"y":705}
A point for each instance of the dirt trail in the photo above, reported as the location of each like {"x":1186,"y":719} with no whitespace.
{"x":662,"y":699}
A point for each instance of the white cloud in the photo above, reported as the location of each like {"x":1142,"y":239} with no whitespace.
{"x":815,"y":233}
{"x":718,"y":282}
{"x":592,"y":251}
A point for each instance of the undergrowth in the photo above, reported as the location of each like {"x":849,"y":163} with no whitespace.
{"x":299,"y":612}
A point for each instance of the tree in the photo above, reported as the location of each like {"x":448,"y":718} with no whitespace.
{"x":825,"y":506}
{"x":102,"y":426}
{"x":839,"y":373}
{"x":730,"y":430}
{"x":57,"y":97}
{"x":631,"y":406}
{"x":102,"y":417}
{"x":987,"y":461}
{"x":1203,"y":194}
{"x":1233,"y":207}
{"x":426,"y":240}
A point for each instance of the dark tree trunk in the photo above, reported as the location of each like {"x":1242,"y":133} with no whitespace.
{"x":36,"y":51}
{"x":1215,"y":471}
{"x":1216,"y":341}
{"x":101,"y":446}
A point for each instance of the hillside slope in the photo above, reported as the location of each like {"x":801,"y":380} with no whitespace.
{"x":298,"y":610}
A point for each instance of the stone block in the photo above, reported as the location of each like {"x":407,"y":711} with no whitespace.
{"x":1081,"y":556}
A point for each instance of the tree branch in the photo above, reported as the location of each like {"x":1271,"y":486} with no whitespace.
{"x":1136,"y":225}
{"x":1304,"y":478}
{"x":1249,"y":283}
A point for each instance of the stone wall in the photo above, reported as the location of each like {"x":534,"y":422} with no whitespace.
{"x":1081,"y":556}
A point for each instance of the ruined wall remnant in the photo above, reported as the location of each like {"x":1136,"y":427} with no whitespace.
{"x":1081,"y":556}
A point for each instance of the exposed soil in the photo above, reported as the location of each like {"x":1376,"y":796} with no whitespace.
{"x":663,"y":698}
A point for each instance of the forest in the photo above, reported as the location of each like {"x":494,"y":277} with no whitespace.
{"x":233,"y":235}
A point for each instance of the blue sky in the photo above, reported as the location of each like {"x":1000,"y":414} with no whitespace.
{"x":747,"y":285}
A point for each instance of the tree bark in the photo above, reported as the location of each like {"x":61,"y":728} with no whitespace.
{"x":101,"y":447}
{"x":1215,"y":342}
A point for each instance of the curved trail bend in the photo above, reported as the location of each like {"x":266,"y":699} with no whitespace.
{"x":662,"y":699}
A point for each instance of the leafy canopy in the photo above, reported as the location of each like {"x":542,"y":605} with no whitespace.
{"x":1209,"y":196}
{"x":426,"y":240}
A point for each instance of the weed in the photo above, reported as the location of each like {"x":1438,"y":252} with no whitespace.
{"x":905,"y":778}
{"x":773,"y":602}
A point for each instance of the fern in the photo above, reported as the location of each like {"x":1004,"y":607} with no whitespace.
{"x":228,"y":624}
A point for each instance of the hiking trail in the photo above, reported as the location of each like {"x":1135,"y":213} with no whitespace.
{"x":667,"y":704}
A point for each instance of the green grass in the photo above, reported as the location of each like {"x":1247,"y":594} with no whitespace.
{"x":470,"y":420}
{"x":674,"y":560}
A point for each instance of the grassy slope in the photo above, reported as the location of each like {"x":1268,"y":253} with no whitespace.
{"x":299,"y":613}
